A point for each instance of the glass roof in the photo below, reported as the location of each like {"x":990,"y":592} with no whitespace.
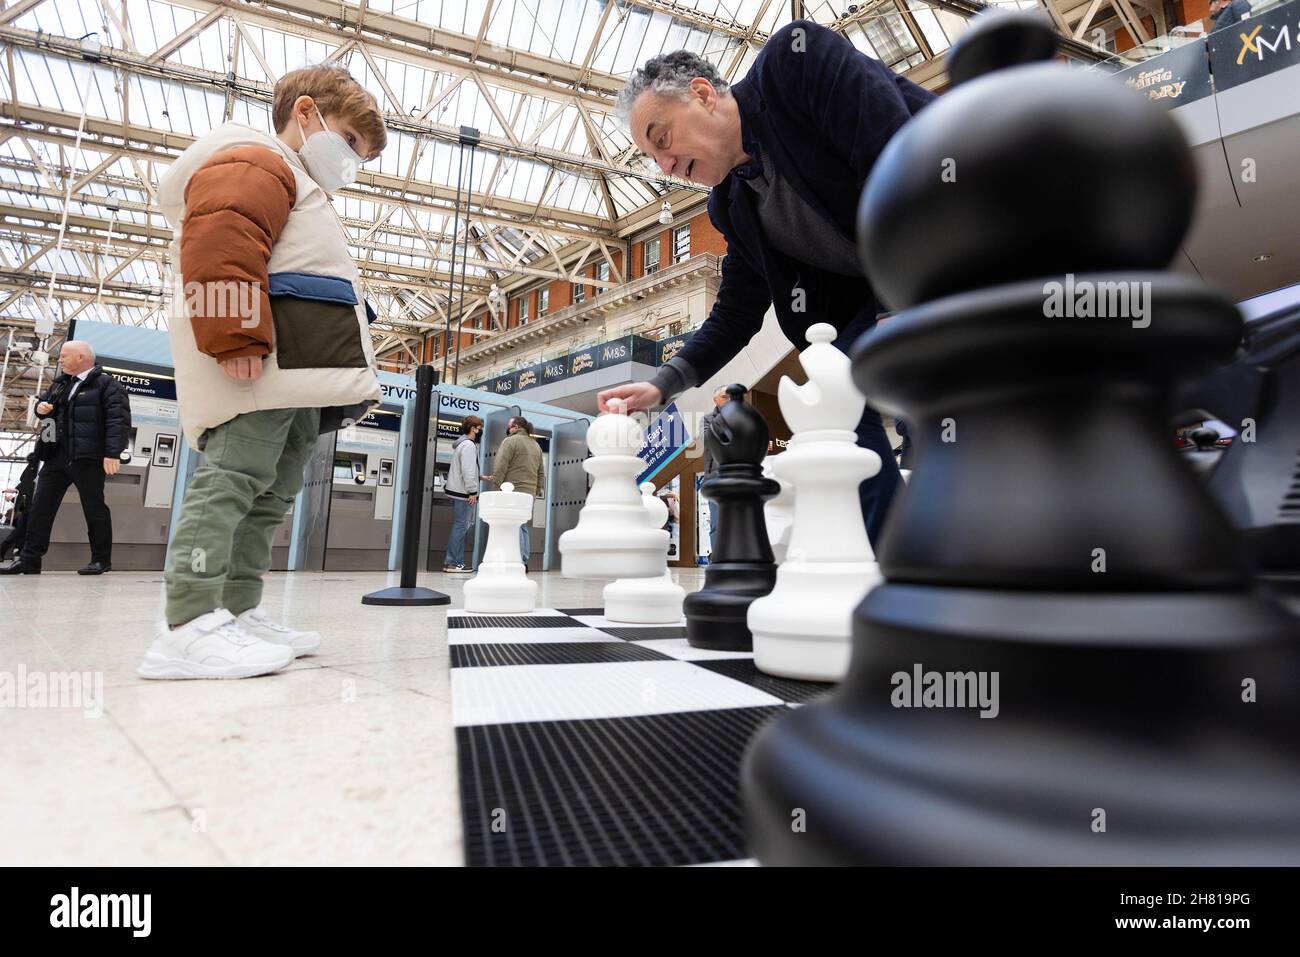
{"x":537,"y":78}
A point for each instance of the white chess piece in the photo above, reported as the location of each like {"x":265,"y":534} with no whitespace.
{"x":778,"y":513}
{"x":647,"y":601}
{"x":802,"y":628}
{"x":613,"y":537}
{"x":502,"y":586}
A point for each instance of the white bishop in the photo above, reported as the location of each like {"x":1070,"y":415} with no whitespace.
{"x":802,"y":628}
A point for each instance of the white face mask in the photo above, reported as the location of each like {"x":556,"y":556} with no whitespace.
{"x":328,"y":158}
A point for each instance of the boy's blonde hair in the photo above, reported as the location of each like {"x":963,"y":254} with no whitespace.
{"x":337,"y":94}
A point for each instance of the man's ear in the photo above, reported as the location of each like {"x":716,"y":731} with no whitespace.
{"x":703,"y":91}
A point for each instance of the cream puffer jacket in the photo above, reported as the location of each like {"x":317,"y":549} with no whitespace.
{"x":262,"y":268}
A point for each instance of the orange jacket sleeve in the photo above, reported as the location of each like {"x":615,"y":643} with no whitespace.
{"x":236,"y":205}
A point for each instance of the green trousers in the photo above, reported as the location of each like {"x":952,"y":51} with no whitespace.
{"x":238,"y":498}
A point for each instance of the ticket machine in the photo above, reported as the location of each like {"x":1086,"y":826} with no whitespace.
{"x":452,"y":403}
{"x":452,"y":409}
{"x":361,"y":493}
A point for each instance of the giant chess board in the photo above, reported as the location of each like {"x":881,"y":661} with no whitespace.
{"x":585,"y":742}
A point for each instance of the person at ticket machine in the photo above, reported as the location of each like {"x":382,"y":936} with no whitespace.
{"x":462,"y":488}
{"x":18,"y":506}
{"x":85,"y":428}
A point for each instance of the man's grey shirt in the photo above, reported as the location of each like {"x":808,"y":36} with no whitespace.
{"x":795,"y":228}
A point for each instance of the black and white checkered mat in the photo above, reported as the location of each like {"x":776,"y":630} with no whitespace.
{"x":585,"y":742}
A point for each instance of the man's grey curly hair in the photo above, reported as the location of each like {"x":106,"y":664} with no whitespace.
{"x":669,"y":74}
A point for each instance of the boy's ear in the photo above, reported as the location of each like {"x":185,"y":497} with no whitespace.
{"x":304,"y":109}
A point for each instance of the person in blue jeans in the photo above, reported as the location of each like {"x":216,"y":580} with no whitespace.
{"x":462,"y":488}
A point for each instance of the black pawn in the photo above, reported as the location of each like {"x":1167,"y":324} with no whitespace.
{"x":1066,"y":664}
{"x":742,"y":567}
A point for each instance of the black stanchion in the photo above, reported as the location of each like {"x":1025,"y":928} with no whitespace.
{"x":407,"y":593}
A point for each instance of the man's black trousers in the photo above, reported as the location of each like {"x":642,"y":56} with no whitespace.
{"x":51,"y":485}
{"x":877,"y":493}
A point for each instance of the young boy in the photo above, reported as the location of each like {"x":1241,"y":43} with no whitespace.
{"x":271,"y":348}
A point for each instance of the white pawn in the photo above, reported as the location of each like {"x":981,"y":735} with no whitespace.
{"x":647,"y":601}
{"x":778,"y":513}
{"x":802,"y":628}
{"x":613,"y":537}
{"x":502,"y":586}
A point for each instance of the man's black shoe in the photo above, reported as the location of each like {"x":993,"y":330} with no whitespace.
{"x":95,"y":568}
{"x":20,"y":567}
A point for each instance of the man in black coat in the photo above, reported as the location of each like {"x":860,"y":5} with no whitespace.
{"x":85,"y":427}
{"x":786,"y":151}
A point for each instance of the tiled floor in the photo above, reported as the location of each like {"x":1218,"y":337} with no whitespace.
{"x":347,"y":757}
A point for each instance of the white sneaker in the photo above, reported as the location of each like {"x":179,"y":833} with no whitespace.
{"x":261,"y":625}
{"x":214,"y":645}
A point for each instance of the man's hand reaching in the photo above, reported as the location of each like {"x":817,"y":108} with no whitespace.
{"x":632,"y":397}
